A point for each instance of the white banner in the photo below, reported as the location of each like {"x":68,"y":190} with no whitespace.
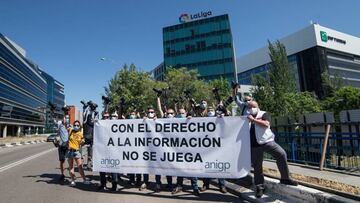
{"x":197,"y":147}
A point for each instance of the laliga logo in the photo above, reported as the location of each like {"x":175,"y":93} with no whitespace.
{"x":184,"y":18}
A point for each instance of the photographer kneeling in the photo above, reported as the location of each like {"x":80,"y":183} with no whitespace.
{"x":262,"y":140}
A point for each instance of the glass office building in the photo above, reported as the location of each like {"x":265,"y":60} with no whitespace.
{"x":23,"y":92}
{"x":311,"y":52}
{"x":205,"y":45}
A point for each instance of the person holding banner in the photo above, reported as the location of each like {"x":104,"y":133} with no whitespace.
{"x":169,"y":114}
{"x":76,"y":138}
{"x":221,"y":181}
{"x":262,"y":140}
{"x":114,"y":176}
{"x":150,"y":114}
{"x":133,"y":115}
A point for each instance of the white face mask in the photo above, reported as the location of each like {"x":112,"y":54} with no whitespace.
{"x":76,"y":128}
{"x":151,"y":115}
{"x":211,"y":113}
{"x":170,"y":115}
{"x":254,"y":111}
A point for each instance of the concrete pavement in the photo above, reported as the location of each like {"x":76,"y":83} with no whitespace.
{"x":36,"y":181}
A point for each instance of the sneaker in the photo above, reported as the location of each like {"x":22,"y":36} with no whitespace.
{"x":176,"y":190}
{"x":196,"y":192}
{"x":289,"y":182}
{"x":142,"y":187}
{"x":72,"y":184}
{"x":157,"y":188}
{"x":223,"y":189}
{"x":204,"y":188}
{"x":259,"y":192}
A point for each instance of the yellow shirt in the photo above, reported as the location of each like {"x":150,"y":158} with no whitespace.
{"x":75,"y":138}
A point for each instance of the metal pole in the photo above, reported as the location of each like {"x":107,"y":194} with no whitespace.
{"x":326,"y":138}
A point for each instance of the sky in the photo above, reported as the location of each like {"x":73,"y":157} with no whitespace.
{"x":68,"y":38}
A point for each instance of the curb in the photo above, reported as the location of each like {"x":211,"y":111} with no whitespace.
{"x":304,"y":193}
{"x":13,"y":144}
{"x":285,"y":193}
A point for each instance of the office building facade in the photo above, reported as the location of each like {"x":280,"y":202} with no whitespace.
{"x":311,"y":52}
{"x":23,"y":92}
{"x":205,"y":45}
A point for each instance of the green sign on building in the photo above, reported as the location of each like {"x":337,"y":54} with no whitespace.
{"x":324,"y":36}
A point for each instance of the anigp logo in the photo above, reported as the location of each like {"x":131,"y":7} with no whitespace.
{"x":110,"y":163}
{"x":184,"y":18}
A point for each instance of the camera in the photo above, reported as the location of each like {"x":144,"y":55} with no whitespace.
{"x":65,"y":109}
{"x":106,"y":99}
{"x":234,"y":84}
{"x":222,"y":108}
{"x":158,"y":92}
{"x":92,"y":105}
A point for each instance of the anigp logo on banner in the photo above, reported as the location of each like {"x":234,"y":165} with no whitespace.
{"x":110,"y":163}
{"x":217,"y":167}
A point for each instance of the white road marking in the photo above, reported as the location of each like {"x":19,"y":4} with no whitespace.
{"x":4,"y":168}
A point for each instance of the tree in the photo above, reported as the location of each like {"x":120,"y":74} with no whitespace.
{"x":298,"y":103}
{"x":331,"y":85}
{"x":345,"y":98}
{"x":279,"y":82}
{"x":134,"y":86}
{"x":223,"y":88}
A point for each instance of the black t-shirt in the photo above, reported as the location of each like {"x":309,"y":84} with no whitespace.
{"x":253,"y":141}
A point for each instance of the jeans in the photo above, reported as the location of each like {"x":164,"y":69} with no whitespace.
{"x":275,"y":151}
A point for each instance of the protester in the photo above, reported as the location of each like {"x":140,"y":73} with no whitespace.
{"x":243,"y":105}
{"x":62,"y":146}
{"x":150,"y":114}
{"x":133,"y":115}
{"x":169,"y":114}
{"x":76,"y":138}
{"x":221,"y":181}
{"x":262,"y":140}
{"x":114,"y":176}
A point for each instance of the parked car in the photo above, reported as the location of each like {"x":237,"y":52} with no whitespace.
{"x":51,"y":138}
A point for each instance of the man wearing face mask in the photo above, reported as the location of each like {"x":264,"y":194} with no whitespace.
{"x":132,"y":182}
{"x":243,"y":105}
{"x":169,"y":114}
{"x":114,"y":176}
{"x":150,"y":114}
{"x":180,"y":180}
{"x":262,"y":140}
{"x":221,"y":181}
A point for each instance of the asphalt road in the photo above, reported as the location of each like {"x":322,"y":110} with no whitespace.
{"x":30,"y":173}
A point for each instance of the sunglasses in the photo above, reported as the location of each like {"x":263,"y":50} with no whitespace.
{"x":170,"y":113}
{"x":150,"y":111}
{"x":77,"y":125}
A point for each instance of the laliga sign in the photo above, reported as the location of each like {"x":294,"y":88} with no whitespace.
{"x":186,"y":17}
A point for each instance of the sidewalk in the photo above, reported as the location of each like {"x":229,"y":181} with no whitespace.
{"x":334,"y":180}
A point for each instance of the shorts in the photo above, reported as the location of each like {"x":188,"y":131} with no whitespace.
{"x":62,"y":152}
{"x":73,"y":154}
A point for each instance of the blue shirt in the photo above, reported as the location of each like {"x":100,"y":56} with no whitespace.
{"x":64,"y":136}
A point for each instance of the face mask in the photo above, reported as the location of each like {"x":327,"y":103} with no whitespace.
{"x":203,"y":106}
{"x":254,"y":111}
{"x":181,"y":116}
{"x":76,"y":128}
{"x":170,"y":115}
{"x":151,"y":115}
{"x":132,"y":117}
{"x":211,"y":113}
